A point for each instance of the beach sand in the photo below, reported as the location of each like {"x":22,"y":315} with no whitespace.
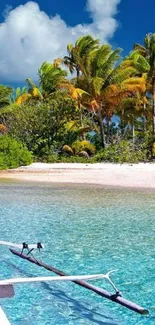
{"x":140,"y":175}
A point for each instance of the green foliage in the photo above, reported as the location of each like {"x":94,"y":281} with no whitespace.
{"x":5,"y":92}
{"x":153,"y":149}
{"x":55,"y":158}
{"x":13,"y":153}
{"x":52,"y":125}
{"x":50,"y":77}
{"x":124,"y":151}
{"x":17,"y":93}
{"x":39,"y":124}
{"x":84,"y":145}
{"x":80,"y":55}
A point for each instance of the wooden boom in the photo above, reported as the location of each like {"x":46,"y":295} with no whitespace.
{"x":101,"y":292}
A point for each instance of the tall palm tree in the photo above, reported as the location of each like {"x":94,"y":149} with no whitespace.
{"x":79,"y":58}
{"x":79,"y":54}
{"x":148,"y":52}
{"x":142,"y":66}
{"x":107,"y":84}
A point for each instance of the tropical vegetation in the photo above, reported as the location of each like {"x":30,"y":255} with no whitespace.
{"x":90,"y":105}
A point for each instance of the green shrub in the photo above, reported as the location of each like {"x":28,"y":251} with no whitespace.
{"x":84,"y":145}
{"x":122,"y":152}
{"x":13,"y":153}
{"x":55,"y":158}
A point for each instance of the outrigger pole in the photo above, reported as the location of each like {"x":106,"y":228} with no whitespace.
{"x":116,"y":297}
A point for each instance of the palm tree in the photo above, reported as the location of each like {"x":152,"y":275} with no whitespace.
{"x":107,"y":84}
{"x":130,"y":110}
{"x":79,"y":58}
{"x":79,"y":54}
{"x":148,"y":52}
{"x":50,"y":77}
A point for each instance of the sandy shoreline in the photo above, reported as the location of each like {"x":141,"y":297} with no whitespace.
{"x":126,"y":175}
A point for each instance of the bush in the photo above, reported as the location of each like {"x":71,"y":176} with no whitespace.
{"x":55,"y":158}
{"x":13,"y":153}
{"x":124,"y":151}
{"x":84,"y":145}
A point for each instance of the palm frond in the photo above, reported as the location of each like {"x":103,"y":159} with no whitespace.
{"x":97,"y":84}
{"x":22,"y":99}
{"x":118,"y":75}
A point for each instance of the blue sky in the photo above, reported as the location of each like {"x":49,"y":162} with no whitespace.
{"x":32,"y":32}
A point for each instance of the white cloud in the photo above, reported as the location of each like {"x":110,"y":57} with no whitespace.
{"x":28,"y":36}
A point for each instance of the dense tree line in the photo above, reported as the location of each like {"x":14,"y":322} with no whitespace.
{"x":104,"y":112}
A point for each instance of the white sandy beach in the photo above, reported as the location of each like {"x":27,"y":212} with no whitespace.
{"x":140,"y":175}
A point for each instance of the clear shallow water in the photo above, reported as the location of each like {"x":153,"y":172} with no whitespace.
{"x":86,"y":230}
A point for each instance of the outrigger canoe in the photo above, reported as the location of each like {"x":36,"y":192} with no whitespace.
{"x":25,"y":252}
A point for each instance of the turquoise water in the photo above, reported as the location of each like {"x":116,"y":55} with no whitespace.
{"x":86,"y":229}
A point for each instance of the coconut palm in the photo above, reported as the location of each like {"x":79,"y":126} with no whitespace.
{"x":130,"y":110}
{"x":148,"y":52}
{"x":78,"y":60}
{"x":107,"y":84}
{"x":79,"y":55}
{"x":50,"y":77}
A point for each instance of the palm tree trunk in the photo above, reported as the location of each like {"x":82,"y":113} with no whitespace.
{"x":79,"y":101}
{"x":108,"y":130}
{"x":80,"y":112}
{"x":133,"y":132}
{"x":101,"y":129}
{"x":144,"y":118}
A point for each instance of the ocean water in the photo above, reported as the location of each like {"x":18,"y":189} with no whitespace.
{"x":86,"y":230}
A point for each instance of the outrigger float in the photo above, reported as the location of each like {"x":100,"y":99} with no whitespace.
{"x":26,"y":252}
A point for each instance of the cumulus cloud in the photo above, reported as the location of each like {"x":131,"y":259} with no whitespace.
{"x":28,"y":36}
